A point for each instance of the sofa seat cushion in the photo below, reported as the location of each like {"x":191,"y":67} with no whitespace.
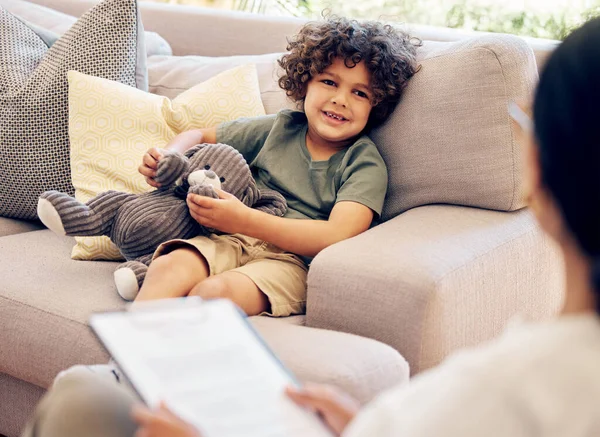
{"x":46,"y":299}
{"x":13,"y":226}
{"x":360,"y":366}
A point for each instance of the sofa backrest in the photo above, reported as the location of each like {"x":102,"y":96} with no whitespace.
{"x":200,"y":31}
{"x":449,"y":141}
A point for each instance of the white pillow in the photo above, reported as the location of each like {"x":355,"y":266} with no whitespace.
{"x":171,"y":75}
{"x":59,"y":23}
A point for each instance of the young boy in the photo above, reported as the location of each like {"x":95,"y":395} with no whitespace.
{"x":347,"y":78}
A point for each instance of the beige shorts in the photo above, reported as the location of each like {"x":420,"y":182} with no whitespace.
{"x":280,"y":275}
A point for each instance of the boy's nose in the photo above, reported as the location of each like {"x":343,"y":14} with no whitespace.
{"x":338,"y":99}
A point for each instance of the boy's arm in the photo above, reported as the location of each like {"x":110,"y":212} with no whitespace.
{"x":303,"y":237}
{"x":190,"y":138}
{"x":309,"y":237}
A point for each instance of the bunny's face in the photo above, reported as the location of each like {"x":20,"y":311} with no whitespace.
{"x":222,"y":167}
{"x":206,"y":177}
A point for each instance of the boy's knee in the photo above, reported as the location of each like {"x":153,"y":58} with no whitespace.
{"x":178,"y":259}
{"x":212,"y":288}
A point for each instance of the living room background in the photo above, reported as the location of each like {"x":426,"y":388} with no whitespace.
{"x":552,"y":19}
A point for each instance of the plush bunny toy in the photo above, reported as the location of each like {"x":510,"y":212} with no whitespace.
{"x":137,"y":224}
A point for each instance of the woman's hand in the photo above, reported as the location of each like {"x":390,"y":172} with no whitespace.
{"x":227,"y":213}
{"x":336,"y":407}
{"x":150,"y":164}
{"x":161,"y":423}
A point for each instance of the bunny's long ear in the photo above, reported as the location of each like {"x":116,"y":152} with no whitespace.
{"x":190,"y":152}
{"x":271,"y":202}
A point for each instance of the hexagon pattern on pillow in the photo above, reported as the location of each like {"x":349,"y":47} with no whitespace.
{"x":34,"y":138}
{"x":112,"y":125}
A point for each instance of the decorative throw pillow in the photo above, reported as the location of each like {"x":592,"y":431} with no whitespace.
{"x":171,"y":75}
{"x":450,"y":139}
{"x":34,"y":139}
{"x":46,"y":35}
{"x":111,"y":126}
{"x":58,"y":23}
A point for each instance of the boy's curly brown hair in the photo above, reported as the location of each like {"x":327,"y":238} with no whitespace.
{"x":388,"y":54}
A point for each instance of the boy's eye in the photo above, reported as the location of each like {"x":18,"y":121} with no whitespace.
{"x":207,"y":167}
{"x":328,"y":82}
{"x":361,"y":94}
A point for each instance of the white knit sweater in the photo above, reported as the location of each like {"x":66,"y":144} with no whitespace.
{"x":538,"y":380}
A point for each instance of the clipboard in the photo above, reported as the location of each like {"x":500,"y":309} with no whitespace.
{"x":208,"y":364}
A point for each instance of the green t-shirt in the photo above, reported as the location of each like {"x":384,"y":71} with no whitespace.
{"x":275,"y":148}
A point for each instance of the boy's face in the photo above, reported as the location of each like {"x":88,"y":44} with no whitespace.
{"x":338,"y":104}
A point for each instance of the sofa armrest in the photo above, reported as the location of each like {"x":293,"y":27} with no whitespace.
{"x":435,"y":279}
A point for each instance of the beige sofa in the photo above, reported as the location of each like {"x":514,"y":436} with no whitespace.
{"x":456,"y":257}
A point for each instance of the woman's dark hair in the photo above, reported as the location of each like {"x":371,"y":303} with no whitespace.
{"x":388,"y":54}
{"x":567,"y":127}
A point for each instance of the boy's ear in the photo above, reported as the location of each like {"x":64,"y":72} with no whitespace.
{"x":300,"y":103}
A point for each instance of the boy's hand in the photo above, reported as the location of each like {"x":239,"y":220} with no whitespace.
{"x":336,"y":408}
{"x":150,"y":164}
{"x":161,"y":423}
{"x":227,"y":213}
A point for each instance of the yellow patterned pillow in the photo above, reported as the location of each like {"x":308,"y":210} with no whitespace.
{"x":111,"y":125}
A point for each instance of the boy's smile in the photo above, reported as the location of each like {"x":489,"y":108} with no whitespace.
{"x":337,"y":106}
{"x":333,"y":116}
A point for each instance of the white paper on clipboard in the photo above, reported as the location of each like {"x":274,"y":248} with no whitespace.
{"x":209,"y":365}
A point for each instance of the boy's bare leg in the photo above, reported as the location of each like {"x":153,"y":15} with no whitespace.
{"x":236,"y":287}
{"x":174,"y":274}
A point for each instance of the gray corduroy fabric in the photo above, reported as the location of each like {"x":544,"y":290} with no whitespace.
{"x":138,"y":267}
{"x":137,"y":224}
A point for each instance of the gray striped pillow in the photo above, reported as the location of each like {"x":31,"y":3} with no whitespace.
{"x":34,"y":138}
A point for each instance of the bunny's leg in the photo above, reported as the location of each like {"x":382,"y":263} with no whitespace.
{"x":65,"y":215}
{"x":271,"y":202}
{"x":129,"y":276}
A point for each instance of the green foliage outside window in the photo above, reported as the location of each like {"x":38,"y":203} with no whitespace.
{"x":553,"y":25}
{"x":463,"y":14}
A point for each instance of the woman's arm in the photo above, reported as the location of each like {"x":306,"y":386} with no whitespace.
{"x":303,"y":237}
